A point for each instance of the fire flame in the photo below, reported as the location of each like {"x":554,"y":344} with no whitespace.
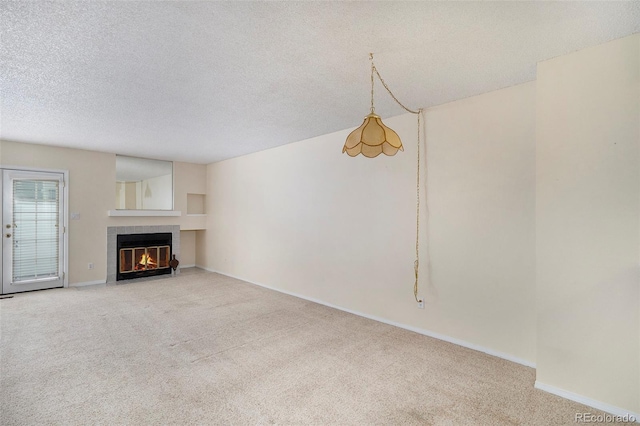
{"x":146,"y":260}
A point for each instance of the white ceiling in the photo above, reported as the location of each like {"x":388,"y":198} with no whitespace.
{"x":206,"y":81}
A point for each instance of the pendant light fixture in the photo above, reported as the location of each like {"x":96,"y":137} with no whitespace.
{"x":373,"y":138}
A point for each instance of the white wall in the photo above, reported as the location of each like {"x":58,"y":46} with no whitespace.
{"x":307,"y":219}
{"x":481,"y":186}
{"x":588,"y":223}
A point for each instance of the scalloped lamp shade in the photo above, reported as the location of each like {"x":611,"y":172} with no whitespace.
{"x":372,"y":138}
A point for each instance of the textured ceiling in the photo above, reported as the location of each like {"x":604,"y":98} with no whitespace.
{"x":206,"y":81}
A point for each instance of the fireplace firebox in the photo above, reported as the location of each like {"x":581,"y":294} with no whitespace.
{"x":143,"y":255}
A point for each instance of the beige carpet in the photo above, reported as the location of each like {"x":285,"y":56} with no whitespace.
{"x":206,"y":349}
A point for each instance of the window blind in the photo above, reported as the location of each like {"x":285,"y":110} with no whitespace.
{"x":36,"y":237}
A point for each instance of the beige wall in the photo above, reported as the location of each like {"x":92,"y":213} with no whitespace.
{"x":588,"y":223}
{"x":92,"y":177}
{"x":187,"y":248}
{"x":306,"y":219}
{"x":481,"y":186}
{"x":201,"y":248}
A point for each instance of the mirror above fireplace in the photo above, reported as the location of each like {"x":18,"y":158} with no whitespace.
{"x":143,"y":184}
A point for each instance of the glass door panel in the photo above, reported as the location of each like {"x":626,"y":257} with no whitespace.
{"x":33,"y":228}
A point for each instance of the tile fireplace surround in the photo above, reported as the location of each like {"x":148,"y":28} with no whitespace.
{"x":112,"y":243}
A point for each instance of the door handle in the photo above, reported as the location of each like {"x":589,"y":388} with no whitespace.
{"x":8,"y":235}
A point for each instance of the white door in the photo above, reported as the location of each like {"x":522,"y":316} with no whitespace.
{"x":32,"y":231}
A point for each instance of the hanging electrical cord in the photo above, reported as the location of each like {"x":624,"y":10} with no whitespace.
{"x":419,"y":112}
{"x":416,"y":264}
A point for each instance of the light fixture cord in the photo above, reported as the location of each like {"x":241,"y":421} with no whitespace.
{"x":375,"y":70}
{"x":419,"y":112}
{"x":416,"y":264}
{"x":372,"y":69}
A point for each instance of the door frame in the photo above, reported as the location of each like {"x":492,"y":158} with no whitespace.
{"x":65,"y":214}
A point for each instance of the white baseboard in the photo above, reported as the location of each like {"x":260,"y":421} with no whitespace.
{"x":188,"y":266}
{"x":607,"y":408}
{"x":88,"y":283}
{"x":393,"y":323}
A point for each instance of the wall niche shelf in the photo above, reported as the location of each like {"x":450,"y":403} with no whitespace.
{"x":143,"y":213}
{"x":196,"y":204}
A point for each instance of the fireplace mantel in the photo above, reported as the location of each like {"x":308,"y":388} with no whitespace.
{"x":145,"y":213}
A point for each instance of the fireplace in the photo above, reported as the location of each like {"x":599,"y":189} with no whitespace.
{"x":143,"y":255}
